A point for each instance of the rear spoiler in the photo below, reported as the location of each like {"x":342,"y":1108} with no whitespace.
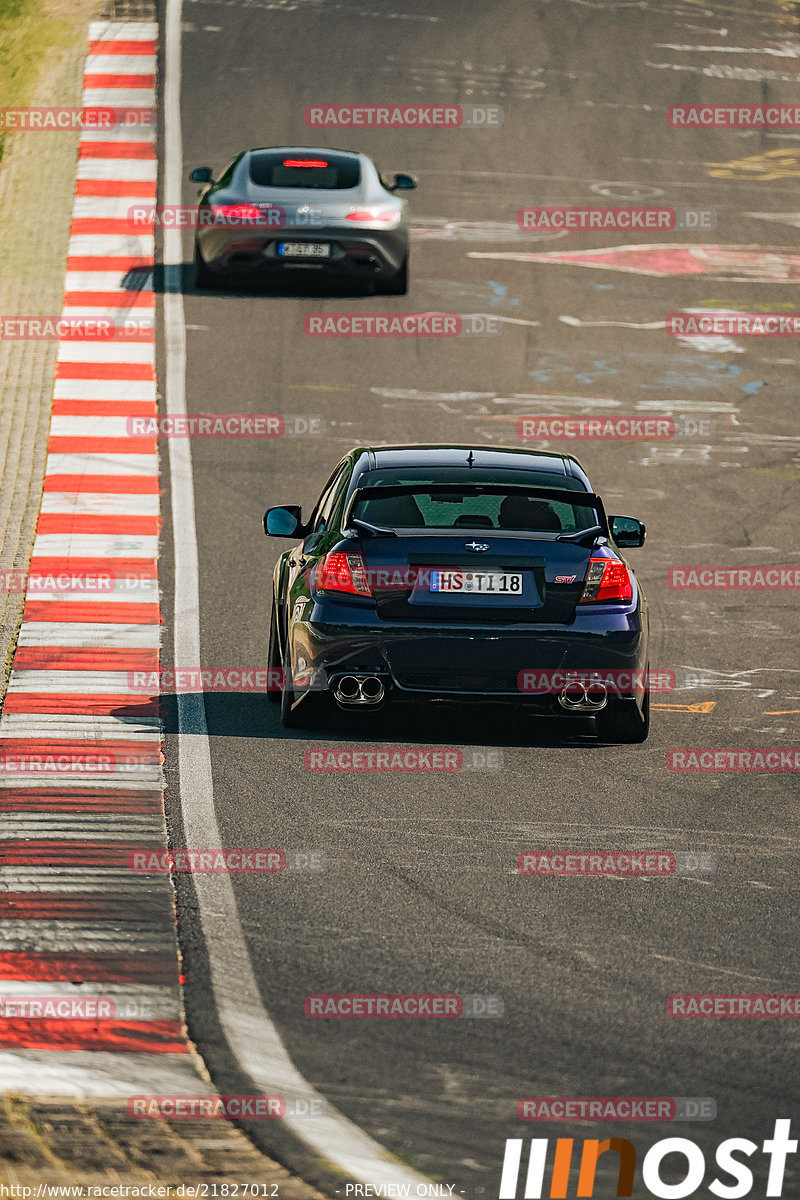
{"x":564,"y":495}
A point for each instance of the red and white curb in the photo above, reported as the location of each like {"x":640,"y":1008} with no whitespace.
{"x":75,"y":921}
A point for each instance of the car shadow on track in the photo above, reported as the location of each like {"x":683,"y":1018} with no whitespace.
{"x":251,"y":715}
{"x":299,"y":285}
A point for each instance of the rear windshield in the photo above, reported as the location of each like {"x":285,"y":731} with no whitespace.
{"x":478,"y":499}
{"x":271,"y":168}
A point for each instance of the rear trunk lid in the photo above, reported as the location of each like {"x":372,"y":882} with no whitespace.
{"x":469,"y":578}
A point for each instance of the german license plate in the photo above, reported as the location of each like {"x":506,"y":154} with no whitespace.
{"x":304,"y":249}
{"x":499,"y":583}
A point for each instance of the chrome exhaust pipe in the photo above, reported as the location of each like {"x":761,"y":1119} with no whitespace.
{"x":360,"y":691}
{"x":577,"y":697}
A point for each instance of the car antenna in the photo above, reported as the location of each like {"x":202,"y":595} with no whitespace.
{"x":470,"y":458}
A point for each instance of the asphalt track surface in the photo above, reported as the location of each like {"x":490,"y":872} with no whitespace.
{"x":421,"y":892}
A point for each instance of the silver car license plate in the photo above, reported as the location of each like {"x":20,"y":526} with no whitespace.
{"x":304,"y":249}
{"x":498,"y":583}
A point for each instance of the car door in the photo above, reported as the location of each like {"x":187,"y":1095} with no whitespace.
{"x":303,"y":557}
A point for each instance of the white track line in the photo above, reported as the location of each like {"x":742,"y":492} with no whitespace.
{"x":251,"y":1035}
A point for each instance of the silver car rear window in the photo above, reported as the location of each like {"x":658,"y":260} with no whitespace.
{"x":324,"y":172}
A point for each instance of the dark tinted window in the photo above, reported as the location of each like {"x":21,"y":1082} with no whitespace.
{"x":329,"y":498}
{"x":227,"y":175}
{"x":502,"y":507}
{"x":270,"y":168}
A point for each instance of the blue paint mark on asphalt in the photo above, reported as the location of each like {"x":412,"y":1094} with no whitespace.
{"x":500,"y":294}
{"x":696,"y":371}
{"x":751,"y":388}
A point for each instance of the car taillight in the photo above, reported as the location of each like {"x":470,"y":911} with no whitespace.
{"x":238,"y":212}
{"x":305,"y":162}
{"x":340,"y":572}
{"x":363,"y":216}
{"x":607,"y":580}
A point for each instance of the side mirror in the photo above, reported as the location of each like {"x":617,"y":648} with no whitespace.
{"x":403,"y":183}
{"x":284,"y":522}
{"x":626,"y":531}
{"x":201,"y":175}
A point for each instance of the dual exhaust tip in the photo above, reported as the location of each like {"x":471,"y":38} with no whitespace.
{"x":362,"y":691}
{"x":577,"y":697}
{"x":365,"y":691}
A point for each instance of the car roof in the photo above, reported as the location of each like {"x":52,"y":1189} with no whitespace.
{"x":432,"y":455}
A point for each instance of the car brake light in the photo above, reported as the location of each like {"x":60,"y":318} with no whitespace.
{"x":237,"y":212}
{"x":607,"y":580}
{"x":342,"y":572}
{"x":363,"y":215}
{"x":304,"y":162}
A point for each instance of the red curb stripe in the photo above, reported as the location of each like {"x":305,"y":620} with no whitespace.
{"x":100,"y":370}
{"x":133,"y":484}
{"x":97,"y":523}
{"x":101,"y":445}
{"x":131,"y":801}
{"x":119,"y":81}
{"x":104,"y":408}
{"x":82,"y":225}
{"x":84,"y":658}
{"x":121,"y":748}
{"x":100,"y":704}
{"x":90,"y":968}
{"x":121,"y":46}
{"x":163,"y":1037}
{"x":116,"y":150}
{"x":89,"y":613}
{"x":53,"y":564}
{"x":107,"y":262}
{"x":39,"y":852}
{"x":84,"y":906}
{"x":135,"y":188}
{"x":119,"y":299}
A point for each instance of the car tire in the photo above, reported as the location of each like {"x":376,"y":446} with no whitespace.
{"x":203,"y":278}
{"x":398,"y":284}
{"x":622,"y":722}
{"x":273,"y":656}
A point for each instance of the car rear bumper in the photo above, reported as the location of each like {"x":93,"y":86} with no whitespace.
{"x":512,"y":664}
{"x":358,"y":254}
